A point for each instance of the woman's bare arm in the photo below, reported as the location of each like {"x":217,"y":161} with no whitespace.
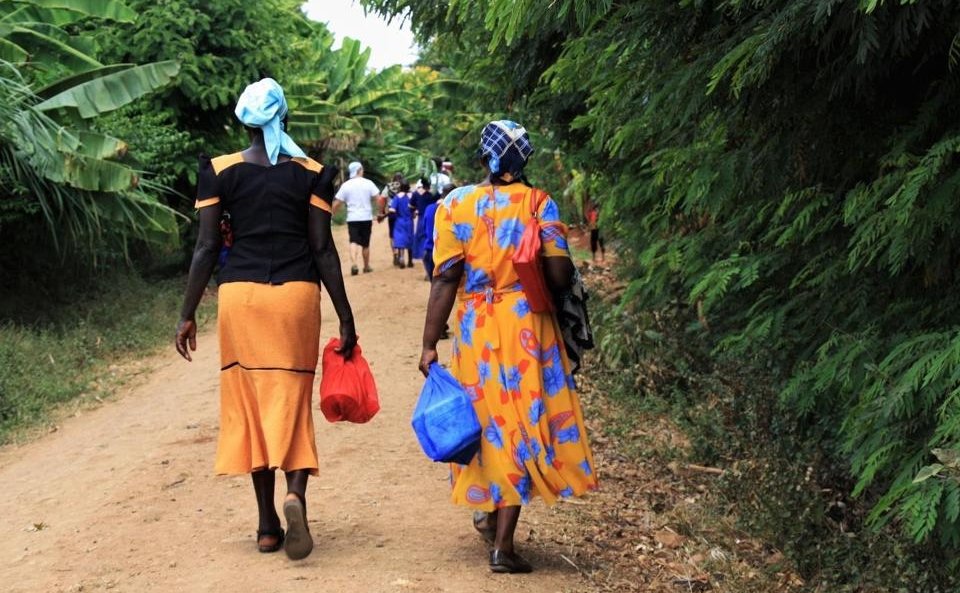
{"x":558,"y":272}
{"x":443,"y":293}
{"x":201,"y":268}
{"x":327,"y":262}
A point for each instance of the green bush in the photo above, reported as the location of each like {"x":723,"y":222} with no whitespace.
{"x":780,"y":485}
{"x":789,"y":170}
{"x":73,"y":352}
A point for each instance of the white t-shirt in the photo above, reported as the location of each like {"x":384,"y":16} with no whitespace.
{"x":437,"y":181}
{"x":356,"y":193}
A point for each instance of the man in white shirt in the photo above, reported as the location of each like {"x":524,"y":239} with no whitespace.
{"x":358,"y":193}
{"x":443,"y":176}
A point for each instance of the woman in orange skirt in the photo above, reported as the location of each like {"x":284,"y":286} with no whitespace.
{"x":510,"y":359}
{"x":279,"y":205}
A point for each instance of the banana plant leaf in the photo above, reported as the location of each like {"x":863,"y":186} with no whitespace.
{"x":101,"y":146}
{"x":84,"y":44}
{"x":11,"y":12}
{"x":373,"y":100}
{"x":11,"y":52}
{"x":113,"y":91}
{"x":105,"y":9}
{"x":41,"y":38}
{"x":82,"y":172}
{"x":73,"y":80}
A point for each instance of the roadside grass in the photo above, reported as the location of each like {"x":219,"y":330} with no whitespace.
{"x":83,"y":350}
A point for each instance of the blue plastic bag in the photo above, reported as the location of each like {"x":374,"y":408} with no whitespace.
{"x":444,"y":419}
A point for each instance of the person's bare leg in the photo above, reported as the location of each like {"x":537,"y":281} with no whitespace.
{"x":366,"y":258}
{"x":506,"y":523}
{"x":297,"y":483}
{"x":503,"y":557}
{"x":298,"y":543}
{"x":486,"y":524}
{"x":263,"y":485}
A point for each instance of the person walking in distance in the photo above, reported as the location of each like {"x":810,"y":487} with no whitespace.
{"x":386,"y":197}
{"x":596,"y":240}
{"x":443,"y":176}
{"x":358,"y":194}
{"x":419,"y":201}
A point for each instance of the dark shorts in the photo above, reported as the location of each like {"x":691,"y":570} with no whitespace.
{"x":595,"y":240}
{"x":360,"y":232}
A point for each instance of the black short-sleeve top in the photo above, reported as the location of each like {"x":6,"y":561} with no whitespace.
{"x":269,"y":208}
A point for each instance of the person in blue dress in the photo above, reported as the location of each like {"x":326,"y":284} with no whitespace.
{"x":419,"y":201}
{"x":403,"y":236}
{"x":428,"y":216}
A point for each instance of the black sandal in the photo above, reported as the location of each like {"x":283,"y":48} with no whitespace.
{"x":298,"y":543}
{"x":277,"y":533}
{"x":488,"y":533}
{"x":508,"y":563}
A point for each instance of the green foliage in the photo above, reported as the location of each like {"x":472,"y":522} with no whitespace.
{"x":102,"y":93}
{"x":70,"y":177}
{"x":78,"y":350}
{"x":221,"y":47}
{"x":787,"y":168}
{"x":779,"y":485}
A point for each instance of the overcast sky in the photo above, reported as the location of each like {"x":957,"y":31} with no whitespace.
{"x":390,"y":44}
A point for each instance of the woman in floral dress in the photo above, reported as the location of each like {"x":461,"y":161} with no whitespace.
{"x":510,"y":359}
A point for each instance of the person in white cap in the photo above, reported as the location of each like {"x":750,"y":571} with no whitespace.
{"x":443,"y":176}
{"x":358,"y":194}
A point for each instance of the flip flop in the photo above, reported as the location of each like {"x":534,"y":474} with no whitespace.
{"x":277,"y":533}
{"x":354,"y":270}
{"x":508,"y":563}
{"x":487,"y":533}
{"x":297,"y":544}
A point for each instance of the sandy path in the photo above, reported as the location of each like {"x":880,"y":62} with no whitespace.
{"x":129,"y":502}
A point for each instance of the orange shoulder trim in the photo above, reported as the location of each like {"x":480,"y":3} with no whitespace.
{"x":318,"y":202}
{"x":208,"y":202}
{"x":308,"y":163}
{"x":223,"y":162}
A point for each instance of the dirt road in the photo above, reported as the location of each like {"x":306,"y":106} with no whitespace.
{"x":122,"y":497}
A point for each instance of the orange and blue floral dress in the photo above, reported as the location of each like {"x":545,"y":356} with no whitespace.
{"x":511,"y":360}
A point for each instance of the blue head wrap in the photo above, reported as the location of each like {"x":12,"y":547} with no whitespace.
{"x":507,"y":147}
{"x":262,"y":105}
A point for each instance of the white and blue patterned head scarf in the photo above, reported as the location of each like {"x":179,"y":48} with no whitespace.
{"x":262,"y":105}
{"x":506,"y":145}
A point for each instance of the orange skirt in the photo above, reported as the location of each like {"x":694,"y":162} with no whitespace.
{"x":269,"y":347}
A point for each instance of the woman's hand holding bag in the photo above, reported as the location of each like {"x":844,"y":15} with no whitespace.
{"x":444,"y":419}
{"x":347,"y":389}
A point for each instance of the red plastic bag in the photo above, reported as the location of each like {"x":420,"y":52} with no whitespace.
{"x":347,"y":389}
{"x":528,"y":263}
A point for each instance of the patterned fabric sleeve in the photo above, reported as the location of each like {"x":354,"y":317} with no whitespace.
{"x":553,"y":233}
{"x":322,"y":193}
{"x":447,"y":245}
{"x":208,"y":191}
